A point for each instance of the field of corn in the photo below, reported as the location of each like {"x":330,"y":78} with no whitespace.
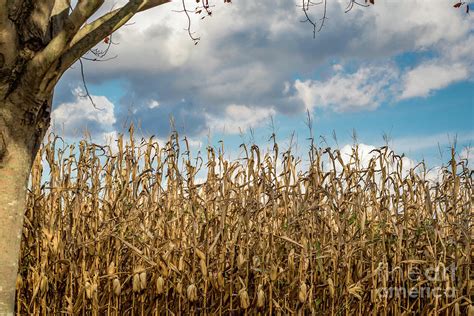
{"x":130,"y":231}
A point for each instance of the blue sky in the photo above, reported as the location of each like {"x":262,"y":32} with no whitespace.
{"x":399,"y":68}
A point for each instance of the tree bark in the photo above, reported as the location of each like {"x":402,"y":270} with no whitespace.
{"x":39,"y":41}
{"x":19,"y":142}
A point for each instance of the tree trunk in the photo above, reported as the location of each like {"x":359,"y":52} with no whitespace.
{"x":20,"y":136}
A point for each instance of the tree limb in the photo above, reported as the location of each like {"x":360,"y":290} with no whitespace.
{"x":83,"y":10}
{"x":89,"y":35}
{"x":60,"y":6}
{"x":93,"y":33}
{"x":151,"y":4}
{"x":58,"y":16}
{"x":44,"y":59}
{"x":106,"y":18}
{"x":74,"y":38}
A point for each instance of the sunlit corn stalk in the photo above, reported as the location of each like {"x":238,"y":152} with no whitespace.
{"x":145,"y":228}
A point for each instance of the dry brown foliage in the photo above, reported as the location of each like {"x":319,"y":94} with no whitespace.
{"x":129,"y":232}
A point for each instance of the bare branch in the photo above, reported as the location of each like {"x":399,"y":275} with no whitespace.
{"x":88,"y":95}
{"x":93,"y":26}
{"x":60,"y":6}
{"x":58,"y":16}
{"x":324,"y":18}
{"x":306,"y":6}
{"x":93,"y":33}
{"x":352,"y":2}
{"x":151,"y":4}
{"x":195,"y":39}
{"x":83,"y":10}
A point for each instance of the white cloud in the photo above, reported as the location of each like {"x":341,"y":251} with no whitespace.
{"x":195,"y":143}
{"x":434,"y":174}
{"x":460,"y":51}
{"x":240,"y":117}
{"x":338,"y":67}
{"x":422,"y":142}
{"x":455,"y":63}
{"x":367,"y":155}
{"x":153,"y":104}
{"x":249,"y":49}
{"x":80,"y":115}
{"x":363,"y":90}
{"x":364,"y":153}
{"x":109,"y":139}
{"x":425,"y":78}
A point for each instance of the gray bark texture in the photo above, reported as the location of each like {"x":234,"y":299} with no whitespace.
{"x":39,"y":41}
{"x":17,"y":149}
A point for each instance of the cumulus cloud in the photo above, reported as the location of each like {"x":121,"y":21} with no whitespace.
{"x":454,"y":63}
{"x":153,"y":104}
{"x":422,"y":80}
{"x":363,"y":90}
{"x":422,"y":142}
{"x":367,"y":153}
{"x":258,"y":53}
{"x":238,"y":118}
{"x":433,"y":173}
{"x":79,"y":116}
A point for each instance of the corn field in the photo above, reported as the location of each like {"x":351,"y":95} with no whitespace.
{"x":131,"y":231}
